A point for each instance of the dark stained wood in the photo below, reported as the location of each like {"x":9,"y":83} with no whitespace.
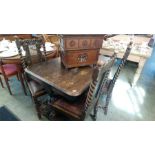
{"x":80,"y":108}
{"x":112,"y":82}
{"x":33,"y":55}
{"x":72,"y":82}
{"x":80,"y":50}
{"x":80,"y":58}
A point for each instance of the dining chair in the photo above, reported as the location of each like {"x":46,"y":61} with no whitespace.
{"x":108,"y":87}
{"x":82,"y":107}
{"x":33,"y":55}
{"x":9,"y":70}
{"x":55,"y":39}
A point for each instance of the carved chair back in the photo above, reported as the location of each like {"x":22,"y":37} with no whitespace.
{"x":80,"y":108}
{"x":99,"y":80}
{"x":115,"y":77}
{"x":121,"y":65}
{"x":34,"y":50}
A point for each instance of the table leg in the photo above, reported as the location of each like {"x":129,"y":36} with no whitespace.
{"x":138,"y":71}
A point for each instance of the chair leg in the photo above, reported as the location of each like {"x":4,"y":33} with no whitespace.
{"x":105,"y":108}
{"x":37,"y":105}
{"x":18,"y":77}
{"x":7,"y":84}
{"x":22,"y":83}
{"x":25,"y":79}
{"x":94,"y":115}
{"x":1,"y":82}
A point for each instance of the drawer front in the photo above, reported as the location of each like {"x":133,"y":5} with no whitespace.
{"x":81,"y":43}
{"x":71,"y":44}
{"x":96,"y":43}
{"x":80,"y":58}
{"x":84,"y":43}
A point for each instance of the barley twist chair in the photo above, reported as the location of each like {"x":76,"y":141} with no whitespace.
{"x":33,"y":55}
{"x":82,"y":107}
{"x":108,"y":87}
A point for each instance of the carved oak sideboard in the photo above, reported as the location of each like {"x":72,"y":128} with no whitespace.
{"x":80,"y":50}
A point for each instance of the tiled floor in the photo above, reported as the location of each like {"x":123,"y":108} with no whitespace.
{"x":127,"y":103}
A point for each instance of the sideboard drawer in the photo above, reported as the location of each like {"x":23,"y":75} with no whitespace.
{"x":71,"y":44}
{"x":80,"y":50}
{"x":84,"y":43}
{"x":96,"y":43}
{"x":79,"y":58}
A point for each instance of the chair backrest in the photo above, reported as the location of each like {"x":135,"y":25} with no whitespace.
{"x":99,"y":79}
{"x":34,"y":50}
{"x":123,"y":61}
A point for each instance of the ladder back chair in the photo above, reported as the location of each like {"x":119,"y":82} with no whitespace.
{"x":82,"y":107}
{"x":33,"y":55}
{"x":108,"y":88}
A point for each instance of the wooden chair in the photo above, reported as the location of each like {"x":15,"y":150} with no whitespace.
{"x":9,"y":70}
{"x":32,"y":56}
{"x":108,"y":87}
{"x":81,"y":107}
{"x":55,"y":39}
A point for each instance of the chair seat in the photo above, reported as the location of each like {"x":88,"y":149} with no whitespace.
{"x":35,"y":88}
{"x":74,"y":109}
{"x":10,"y":69}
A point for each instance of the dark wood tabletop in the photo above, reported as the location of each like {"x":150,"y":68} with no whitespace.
{"x":72,"y":82}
